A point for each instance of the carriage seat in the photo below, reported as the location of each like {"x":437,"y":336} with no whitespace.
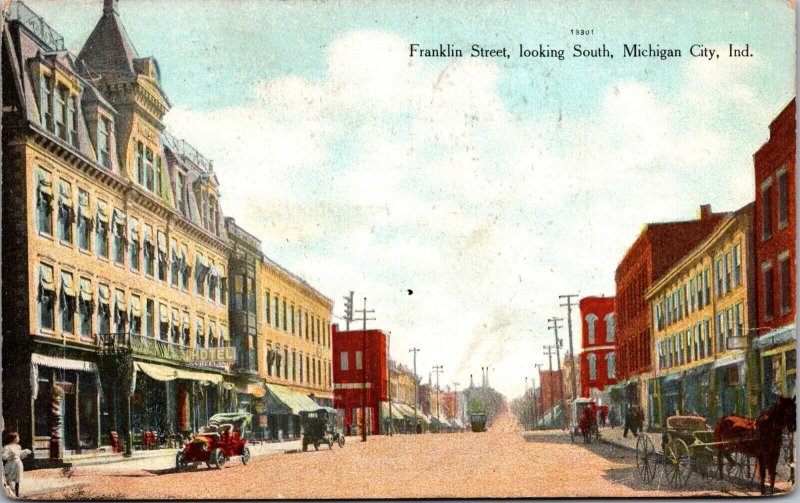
{"x":226,"y":431}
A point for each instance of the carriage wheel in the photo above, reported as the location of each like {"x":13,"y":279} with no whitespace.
{"x":218,"y":458}
{"x":677,"y":462}
{"x":741,"y":467}
{"x":341,"y":440}
{"x":645,"y":458}
{"x":246,"y":455}
{"x":180,"y":461}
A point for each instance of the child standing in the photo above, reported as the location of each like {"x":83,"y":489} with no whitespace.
{"x":12,"y":460}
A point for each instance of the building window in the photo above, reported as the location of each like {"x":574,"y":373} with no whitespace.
{"x":786,"y":284}
{"x":118,"y":237}
{"x":284,"y":323}
{"x":738,"y":328}
{"x":294,"y":368}
{"x":133,"y":244}
{"x":161,"y":242}
{"x":85,"y":307}
{"x":45,"y":86}
{"x":66,"y":213}
{"x":251,"y":295}
{"x":275,"y":311}
{"x":783,"y":199}
{"x":238,"y":292}
{"x":707,"y":336}
{"x":120,"y":312}
{"x":180,"y":184}
{"x":291,"y":319}
{"x":698,"y":294}
{"x":359,"y":362}
{"x":592,"y":366}
{"x":285,"y":363}
{"x":706,"y":287}
{"x":727,"y":266}
{"x":67,"y":303}
{"x":591,"y":318}
{"x":149,"y":318}
{"x":212,"y":334}
{"x":175,"y":264}
{"x":72,"y":120}
{"x":103,"y":309}
{"x":737,"y":264}
{"x":611,"y":366}
{"x":186,"y":336}
{"x":103,"y":142}
{"x":44,"y":202}
{"x":720,"y":329}
{"x":728,"y":324}
{"x":149,"y":251}
{"x":345,"y":364}
{"x":84,"y":220}
{"x":769,"y":293}
{"x":199,"y":336}
{"x":720,"y":278}
{"x":278,"y":358}
{"x":101,"y":236}
{"x":59,"y":111}
{"x":136,"y":315}
{"x":300,"y":363}
{"x":766,"y":211}
{"x":201,"y":270}
{"x":610,"y":327}
{"x":314,"y":368}
{"x":163,"y":323}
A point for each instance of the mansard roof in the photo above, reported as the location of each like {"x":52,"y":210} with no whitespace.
{"x":109,"y":49}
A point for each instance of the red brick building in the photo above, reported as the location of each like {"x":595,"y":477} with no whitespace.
{"x":657,"y":248}
{"x":550,"y":385}
{"x":359,"y":374}
{"x":775,"y":229}
{"x":598,"y":340}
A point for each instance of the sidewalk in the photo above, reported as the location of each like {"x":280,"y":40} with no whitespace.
{"x":614,"y":436}
{"x":44,"y":481}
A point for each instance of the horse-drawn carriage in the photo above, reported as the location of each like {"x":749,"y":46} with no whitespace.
{"x":583,"y":420}
{"x":689,"y":445}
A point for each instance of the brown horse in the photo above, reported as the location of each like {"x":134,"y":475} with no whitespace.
{"x":759,"y":438}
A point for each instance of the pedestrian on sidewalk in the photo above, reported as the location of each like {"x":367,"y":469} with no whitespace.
{"x":12,"y":460}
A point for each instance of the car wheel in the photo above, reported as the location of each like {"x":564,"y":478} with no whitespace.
{"x":341,"y":440}
{"x":246,"y":456}
{"x":218,"y":458}
{"x":180,"y":461}
{"x":330,"y":444}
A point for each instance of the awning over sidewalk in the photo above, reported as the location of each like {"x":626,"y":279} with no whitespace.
{"x":164,"y":373}
{"x":253,"y":389}
{"x":59,"y":363}
{"x":282,"y":400}
{"x":728,"y":360}
{"x":395,"y":411}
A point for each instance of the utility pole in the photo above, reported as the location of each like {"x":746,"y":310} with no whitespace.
{"x":455,"y":386}
{"x":559,"y":343}
{"x":364,"y":318}
{"x":537,"y":411}
{"x":549,"y":349}
{"x":348,"y":310}
{"x":568,"y":305}
{"x":438,"y":369}
{"x":416,"y":388}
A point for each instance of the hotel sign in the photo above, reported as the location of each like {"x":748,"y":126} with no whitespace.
{"x":213,"y":357}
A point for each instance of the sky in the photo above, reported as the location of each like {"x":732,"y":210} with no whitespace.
{"x":487,"y":186}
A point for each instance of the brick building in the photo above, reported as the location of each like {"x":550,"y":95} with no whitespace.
{"x":775,"y":236}
{"x":360,"y":376}
{"x":550,"y":394}
{"x":115,"y":270}
{"x":655,"y":250}
{"x":598,"y":340}
{"x":702,"y":310}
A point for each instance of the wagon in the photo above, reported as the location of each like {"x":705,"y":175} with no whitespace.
{"x":688,"y":446}
{"x":320,"y":427}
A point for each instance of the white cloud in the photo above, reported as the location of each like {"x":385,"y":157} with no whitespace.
{"x":389,"y":174}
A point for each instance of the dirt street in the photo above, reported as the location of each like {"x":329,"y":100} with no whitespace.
{"x":499,"y":463}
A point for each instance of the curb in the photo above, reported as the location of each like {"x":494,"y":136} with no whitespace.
{"x":50,"y":490}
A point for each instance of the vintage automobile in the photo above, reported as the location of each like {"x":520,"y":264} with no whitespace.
{"x":319,"y":427}
{"x":223,"y":438}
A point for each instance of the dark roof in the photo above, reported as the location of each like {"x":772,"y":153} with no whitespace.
{"x":109,"y":49}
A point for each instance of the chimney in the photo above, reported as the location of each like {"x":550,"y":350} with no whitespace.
{"x":705,"y":211}
{"x":471,"y":382}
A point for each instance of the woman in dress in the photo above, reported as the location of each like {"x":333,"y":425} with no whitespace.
{"x":12,"y":460}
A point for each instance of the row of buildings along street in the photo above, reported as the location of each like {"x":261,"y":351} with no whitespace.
{"x":703,"y":318}
{"x":134,"y":309}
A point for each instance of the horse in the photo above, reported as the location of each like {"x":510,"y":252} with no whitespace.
{"x":759,"y":438}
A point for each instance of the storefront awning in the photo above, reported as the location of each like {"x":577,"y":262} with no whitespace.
{"x":776,"y":337}
{"x":728,"y":360}
{"x":59,"y":363}
{"x":255,"y":390}
{"x":164,"y":373}
{"x":395,"y":411}
{"x":281,"y":399}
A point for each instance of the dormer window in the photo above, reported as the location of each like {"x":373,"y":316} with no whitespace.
{"x":72,"y":120}
{"x":59,"y":112}
{"x":45,"y":84}
{"x":180,"y":183}
{"x":103,"y":142}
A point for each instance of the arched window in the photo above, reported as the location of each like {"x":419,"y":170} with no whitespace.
{"x":590,"y":321}
{"x":592,"y":366}
{"x":611,"y":365}
{"x":610,"y":327}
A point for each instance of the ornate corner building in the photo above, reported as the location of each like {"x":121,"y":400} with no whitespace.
{"x":117,"y":320}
